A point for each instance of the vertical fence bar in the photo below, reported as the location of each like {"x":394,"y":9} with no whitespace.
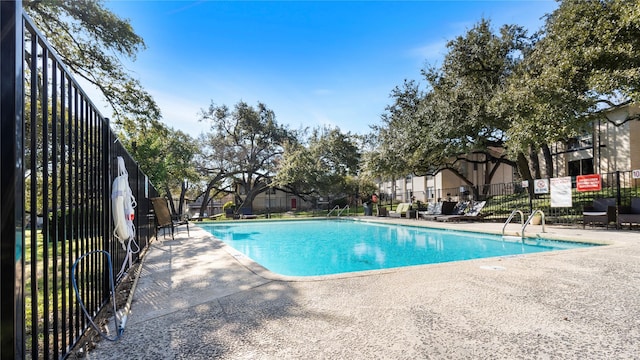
{"x":75,"y":226}
{"x":69,"y":221}
{"x":33,"y":190}
{"x":64,"y":211}
{"x":53,"y":236}
{"x":44,"y":108}
{"x":83,"y":266}
{"x":618,"y":195}
{"x":12,"y":325}
{"x":106,"y":194}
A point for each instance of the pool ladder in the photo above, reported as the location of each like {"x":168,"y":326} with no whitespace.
{"x":522,"y":221}
{"x":338,"y":210}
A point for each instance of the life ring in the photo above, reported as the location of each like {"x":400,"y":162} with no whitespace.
{"x":122,"y":205}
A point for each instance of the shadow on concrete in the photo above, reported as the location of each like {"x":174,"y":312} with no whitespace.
{"x":195,"y":300}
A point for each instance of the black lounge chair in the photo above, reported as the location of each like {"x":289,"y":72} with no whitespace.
{"x":602,"y":211}
{"x":246,"y":213}
{"x":629,"y":214}
{"x":472,"y":213}
{"x":440,"y":208}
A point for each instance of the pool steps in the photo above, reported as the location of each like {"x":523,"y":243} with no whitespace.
{"x":523,"y":223}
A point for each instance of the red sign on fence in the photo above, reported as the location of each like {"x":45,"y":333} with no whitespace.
{"x":591,"y":182}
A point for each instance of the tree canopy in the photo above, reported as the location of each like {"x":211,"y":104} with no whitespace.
{"x":323,"y":167}
{"x":500,"y":96}
{"x":91,"y":40}
{"x":584,"y":61}
{"x":451,"y":124}
{"x":243,"y":148}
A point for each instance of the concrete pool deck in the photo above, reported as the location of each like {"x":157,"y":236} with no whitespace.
{"x":198,"y":299}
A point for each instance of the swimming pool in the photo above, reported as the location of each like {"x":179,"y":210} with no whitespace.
{"x":323,"y":247}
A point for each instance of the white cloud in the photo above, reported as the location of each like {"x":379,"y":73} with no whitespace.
{"x":430,"y":52}
{"x":322,"y":92}
{"x":181,"y":113}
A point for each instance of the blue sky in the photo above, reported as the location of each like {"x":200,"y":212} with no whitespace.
{"x":313,"y":63}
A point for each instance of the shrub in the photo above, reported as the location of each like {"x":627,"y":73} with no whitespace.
{"x":228,"y":205}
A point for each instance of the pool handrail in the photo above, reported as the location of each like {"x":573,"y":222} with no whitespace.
{"x":346,"y":207}
{"x":533,"y":213}
{"x":339,"y":211}
{"x":513,"y":213}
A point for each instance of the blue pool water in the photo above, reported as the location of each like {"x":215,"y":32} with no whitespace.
{"x":322,"y":247}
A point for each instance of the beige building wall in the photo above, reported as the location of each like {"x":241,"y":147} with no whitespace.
{"x":614,"y":142}
{"x":443,"y":186}
{"x":419,"y":185}
{"x":634,"y":154}
{"x":612,"y":146}
{"x":617,"y":144}
{"x":279,"y":200}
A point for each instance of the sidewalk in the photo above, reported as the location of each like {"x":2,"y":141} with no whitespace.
{"x":198,"y":299}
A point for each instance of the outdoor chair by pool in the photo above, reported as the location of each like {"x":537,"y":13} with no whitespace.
{"x":602,"y":211}
{"x":629,"y":214}
{"x":472,"y":213}
{"x":382,"y":211}
{"x":401,"y":210}
{"x":431,"y":210}
{"x":246,"y":213}
{"x":439,"y":209}
{"x":164,"y":219}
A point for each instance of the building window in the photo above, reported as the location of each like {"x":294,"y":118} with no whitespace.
{"x":581,"y":167}
{"x":579,"y":143}
{"x":430,"y":193}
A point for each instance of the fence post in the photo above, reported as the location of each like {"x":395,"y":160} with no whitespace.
{"x":106,"y":195}
{"x":11,"y":182}
{"x":618,"y":196}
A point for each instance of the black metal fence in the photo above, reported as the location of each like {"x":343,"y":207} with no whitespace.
{"x":58,"y":161}
{"x":502,"y":199}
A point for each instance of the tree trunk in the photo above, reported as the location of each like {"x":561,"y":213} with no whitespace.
{"x":206,"y":195}
{"x":183,"y":192}
{"x":548,"y":160}
{"x":525,"y":172}
{"x":205,"y":201}
{"x":172,"y":206}
{"x":535,"y":162}
{"x":489,"y":175}
{"x":523,"y":167}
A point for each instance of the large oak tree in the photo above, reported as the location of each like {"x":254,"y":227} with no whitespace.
{"x":243,"y":148}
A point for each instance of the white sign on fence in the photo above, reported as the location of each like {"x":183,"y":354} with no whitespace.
{"x":561,"y":192}
{"x":636,"y":174}
{"x":541,"y":186}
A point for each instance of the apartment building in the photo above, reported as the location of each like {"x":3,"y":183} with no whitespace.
{"x":612,"y":144}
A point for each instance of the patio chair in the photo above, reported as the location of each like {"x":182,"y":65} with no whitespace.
{"x":401,"y":210}
{"x":431,"y":208}
{"x":602,"y":211}
{"x":246,"y":213}
{"x":441,"y":208}
{"x":472,"y":213}
{"x":629,"y":214}
{"x":164,"y":219}
{"x":382,"y":211}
